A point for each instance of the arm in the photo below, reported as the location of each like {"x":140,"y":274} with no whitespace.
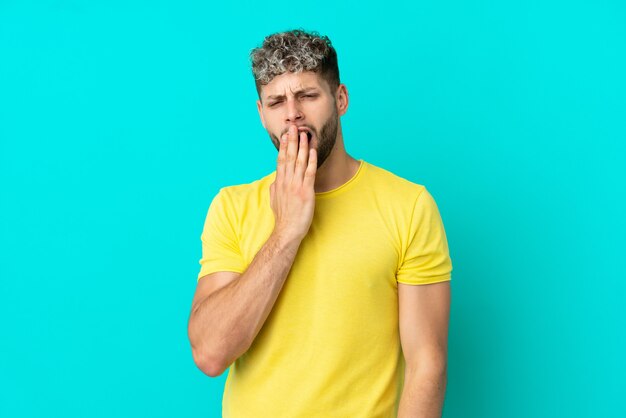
{"x":223,"y":324}
{"x":424,"y":312}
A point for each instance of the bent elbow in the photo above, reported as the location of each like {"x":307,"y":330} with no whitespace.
{"x":207,"y":364}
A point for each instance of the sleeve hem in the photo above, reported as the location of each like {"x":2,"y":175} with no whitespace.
{"x":215,"y":270}
{"x":437,"y":279}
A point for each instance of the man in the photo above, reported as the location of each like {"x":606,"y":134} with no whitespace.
{"x":324,"y":285}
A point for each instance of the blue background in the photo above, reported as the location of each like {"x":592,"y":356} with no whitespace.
{"x":119,"y":121}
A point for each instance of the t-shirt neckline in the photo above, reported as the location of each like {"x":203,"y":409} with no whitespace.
{"x":347,"y":185}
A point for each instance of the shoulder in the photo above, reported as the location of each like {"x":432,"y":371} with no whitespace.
{"x":246,"y":193}
{"x":393,"y":185}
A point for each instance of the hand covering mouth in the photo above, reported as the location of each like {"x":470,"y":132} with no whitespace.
{"x":309,"y":134}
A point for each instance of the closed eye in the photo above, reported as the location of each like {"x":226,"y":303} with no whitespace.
{"x":280,"y":101}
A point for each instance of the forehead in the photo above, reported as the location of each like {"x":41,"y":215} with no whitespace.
{"x":290,"y":83}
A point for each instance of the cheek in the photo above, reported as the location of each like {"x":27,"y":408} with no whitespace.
{"x":270,"y":125}
{"x":320,"y":114}
{"x":323,"y":119}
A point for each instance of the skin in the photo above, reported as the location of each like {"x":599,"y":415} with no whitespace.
{"x":423,"y":310}
{"x":335,"y":165}
{"x":229,"y":308}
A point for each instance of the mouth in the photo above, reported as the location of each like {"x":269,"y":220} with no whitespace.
{"x":309,"y":134}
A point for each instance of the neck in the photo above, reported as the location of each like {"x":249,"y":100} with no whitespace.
{"x":338,"y":168}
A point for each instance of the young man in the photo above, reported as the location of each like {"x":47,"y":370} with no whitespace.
{"x":325,"y":285}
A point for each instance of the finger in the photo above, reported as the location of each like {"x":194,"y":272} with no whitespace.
{"x":311,"y":169}
{"x":292,"y":152}
{"x":303,"y":156}
{"x":281,"y":159}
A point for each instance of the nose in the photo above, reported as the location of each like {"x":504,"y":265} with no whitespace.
{"x":294,"y":113}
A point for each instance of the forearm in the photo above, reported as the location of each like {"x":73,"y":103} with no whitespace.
{"x":423,"y":394}
{"x":223,"y":325}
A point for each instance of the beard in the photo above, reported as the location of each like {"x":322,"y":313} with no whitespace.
{"x":325,"y":140}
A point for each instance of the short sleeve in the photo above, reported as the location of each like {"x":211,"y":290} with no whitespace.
{"x":426,"y":257}
{"x":220,"y":247}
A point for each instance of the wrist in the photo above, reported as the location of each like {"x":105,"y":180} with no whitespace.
{"x":285,"y":240}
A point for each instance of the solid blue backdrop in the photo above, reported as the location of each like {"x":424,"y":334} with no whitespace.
{"x":119,"y":121}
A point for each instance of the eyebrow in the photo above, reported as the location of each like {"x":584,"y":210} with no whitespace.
{"x":282,"y":96}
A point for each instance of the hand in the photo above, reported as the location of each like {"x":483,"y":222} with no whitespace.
{"x":292,"y":194}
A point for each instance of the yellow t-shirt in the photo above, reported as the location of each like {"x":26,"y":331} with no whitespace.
{"x":330,"y":347}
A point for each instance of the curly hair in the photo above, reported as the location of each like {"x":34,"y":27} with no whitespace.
{"x":294,"y":51}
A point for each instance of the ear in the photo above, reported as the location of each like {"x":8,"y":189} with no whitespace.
{"x":259,"y":107}
{"x":342,"y":99}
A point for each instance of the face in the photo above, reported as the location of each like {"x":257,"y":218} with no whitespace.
{"x":301,"y":99}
